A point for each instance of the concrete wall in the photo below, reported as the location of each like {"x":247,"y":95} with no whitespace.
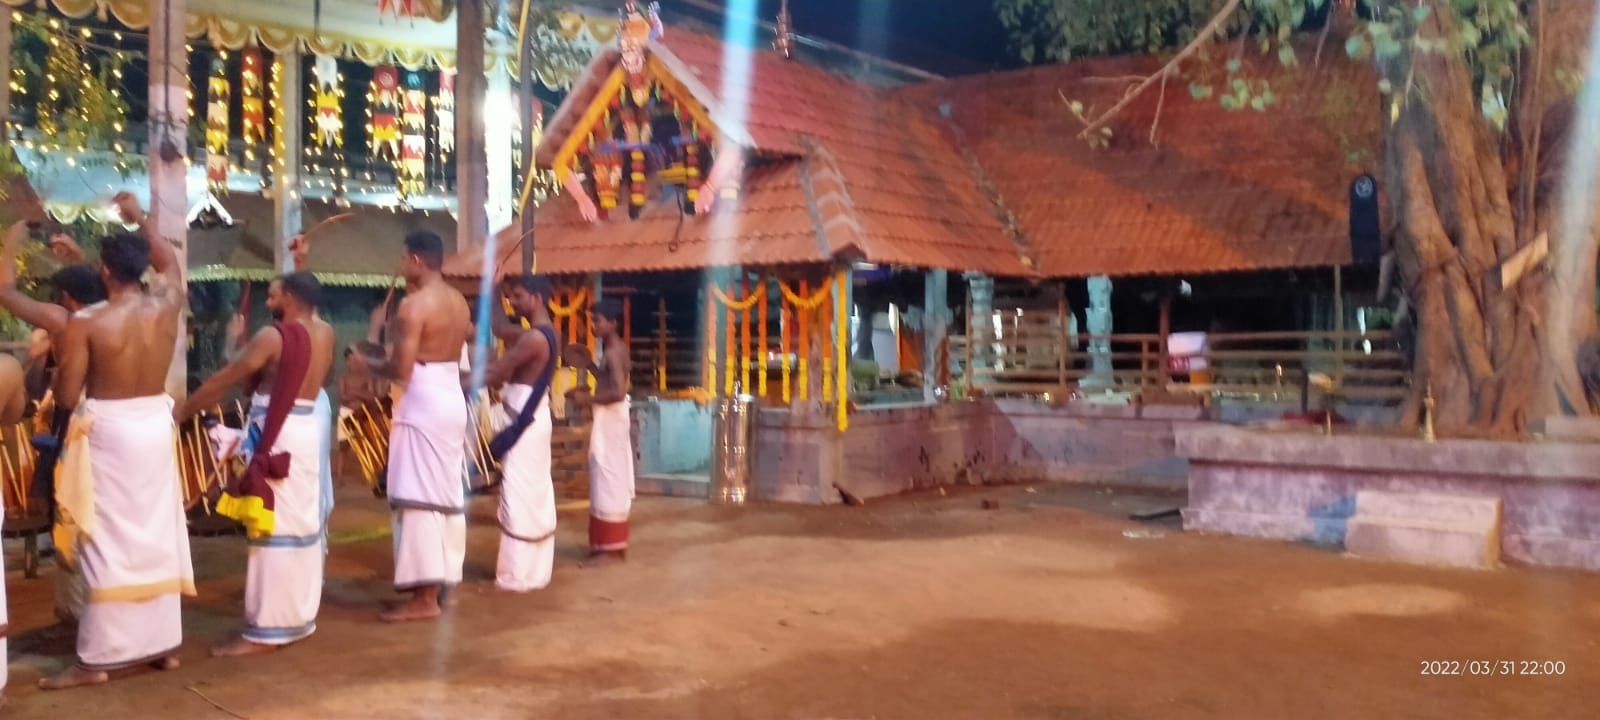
{"x":1302,"y":486}
{"x":800,"y":456}
{"x":674,"y":437}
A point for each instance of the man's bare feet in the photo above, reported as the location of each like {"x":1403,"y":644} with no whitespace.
{"x":239,"y":647}
{"x":169,"y":662}
{"x":449,"y":596}
{"x":72,"y":677}
{"x":423,"y":605}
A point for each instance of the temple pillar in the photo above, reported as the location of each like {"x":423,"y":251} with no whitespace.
{"x":288,"y":112}
{"x":472,"y":223}
{"x":169,"y":165}
{"x":497,"y":147}
{"x":980,"y":297}
{"x":1098,"y":319}
{"x":935,"y":325}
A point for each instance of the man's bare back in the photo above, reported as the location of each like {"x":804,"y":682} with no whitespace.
{"x":439,"y":319}
{"x":130,"y":341}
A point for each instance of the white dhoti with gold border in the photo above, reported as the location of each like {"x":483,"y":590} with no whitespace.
{"x":133,"y":540}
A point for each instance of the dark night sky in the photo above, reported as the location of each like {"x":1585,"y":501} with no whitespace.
{"x":949,"y":37}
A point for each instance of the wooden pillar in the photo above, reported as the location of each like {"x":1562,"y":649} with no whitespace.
{"x":472,"y":172}
{"x":525,"y":78}
{"x":288,"y":118}
{"x":1064,"y":352}
{"x":1338,"y":326}
{"x":935,"y":327}
{"x":1164,"y":338}
{"x":169,"y":132}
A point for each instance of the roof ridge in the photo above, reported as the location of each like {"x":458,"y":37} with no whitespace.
{"x":834,"y":195}
{"x":1008,"y":219}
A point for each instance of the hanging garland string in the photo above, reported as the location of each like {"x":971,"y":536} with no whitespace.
{"x":734,"y":343}
{"x":805,"y":305}
{"x":761,"y":343}
{"x":841,"y":332}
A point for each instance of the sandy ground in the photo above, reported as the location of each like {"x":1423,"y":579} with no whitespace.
{"x":921,"y":607}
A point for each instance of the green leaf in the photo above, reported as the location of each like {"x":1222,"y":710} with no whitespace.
{"x":1470,"y":35}
{"x":1198,"y":91}
{"x":1286,"y":55}
{"x":1240,"y":86}
{"x":1420,"y":13}
{"x":1228,"y":103}
{"x":1077,"y":107}
{"x":1234,"y":65}
{"x":1384,"y":86}
{"x":1105,"y":131}
{"x":1386,"y":47}
{"x":1258,"y":103}
{"x":1355,"y":46}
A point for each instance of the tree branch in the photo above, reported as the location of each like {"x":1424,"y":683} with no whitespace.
{"x":1200,"y":38}
{"x":1161,"y":99}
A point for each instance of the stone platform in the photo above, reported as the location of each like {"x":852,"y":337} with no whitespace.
{"x":1304,"y":486}
{"x":801,"y":457}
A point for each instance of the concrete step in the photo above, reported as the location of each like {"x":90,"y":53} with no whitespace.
{"x":1465,"y":510}
{"x":1426,"y":528}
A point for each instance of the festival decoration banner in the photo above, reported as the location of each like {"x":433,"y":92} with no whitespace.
{"x":445,"y":109}
{"x":414,"y":147}
{"x":217,"y":126}
{"x":398,"y":9}
{"x":330,"y":113}
{"x":384,"y":101}
{"x":253,"y":107}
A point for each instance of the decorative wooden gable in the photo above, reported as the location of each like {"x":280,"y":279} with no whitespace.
{"x":643,"y":138}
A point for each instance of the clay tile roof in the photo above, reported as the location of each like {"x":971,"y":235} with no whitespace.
{"x":1218,"y":191}
{"x":839,"y":170}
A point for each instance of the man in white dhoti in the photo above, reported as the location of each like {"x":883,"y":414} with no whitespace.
{"x":610,"y":439}
{"x":120,"y":503}
{"x":527,"y":495}
{"x":13,"y":398}
{"x":280,"y":498}
{"x":427,"y":446}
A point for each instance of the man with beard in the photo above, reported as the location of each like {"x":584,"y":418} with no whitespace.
{"x":280,"y":499}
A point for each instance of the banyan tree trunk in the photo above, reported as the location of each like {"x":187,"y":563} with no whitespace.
{"x":1497,"y":359}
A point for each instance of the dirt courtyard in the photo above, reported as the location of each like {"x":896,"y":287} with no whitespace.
{"x":1049,"y":606}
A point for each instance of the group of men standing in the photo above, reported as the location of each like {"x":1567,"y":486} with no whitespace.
{"x":120,"y":523}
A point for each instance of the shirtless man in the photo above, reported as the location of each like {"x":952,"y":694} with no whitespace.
{"x":76,"y":286}
{"x":428,"y":444}
{"x":527,"y":495}
{"x":126,"y":491}
{"x":283,"y":584}
{"x":610,"y":439}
